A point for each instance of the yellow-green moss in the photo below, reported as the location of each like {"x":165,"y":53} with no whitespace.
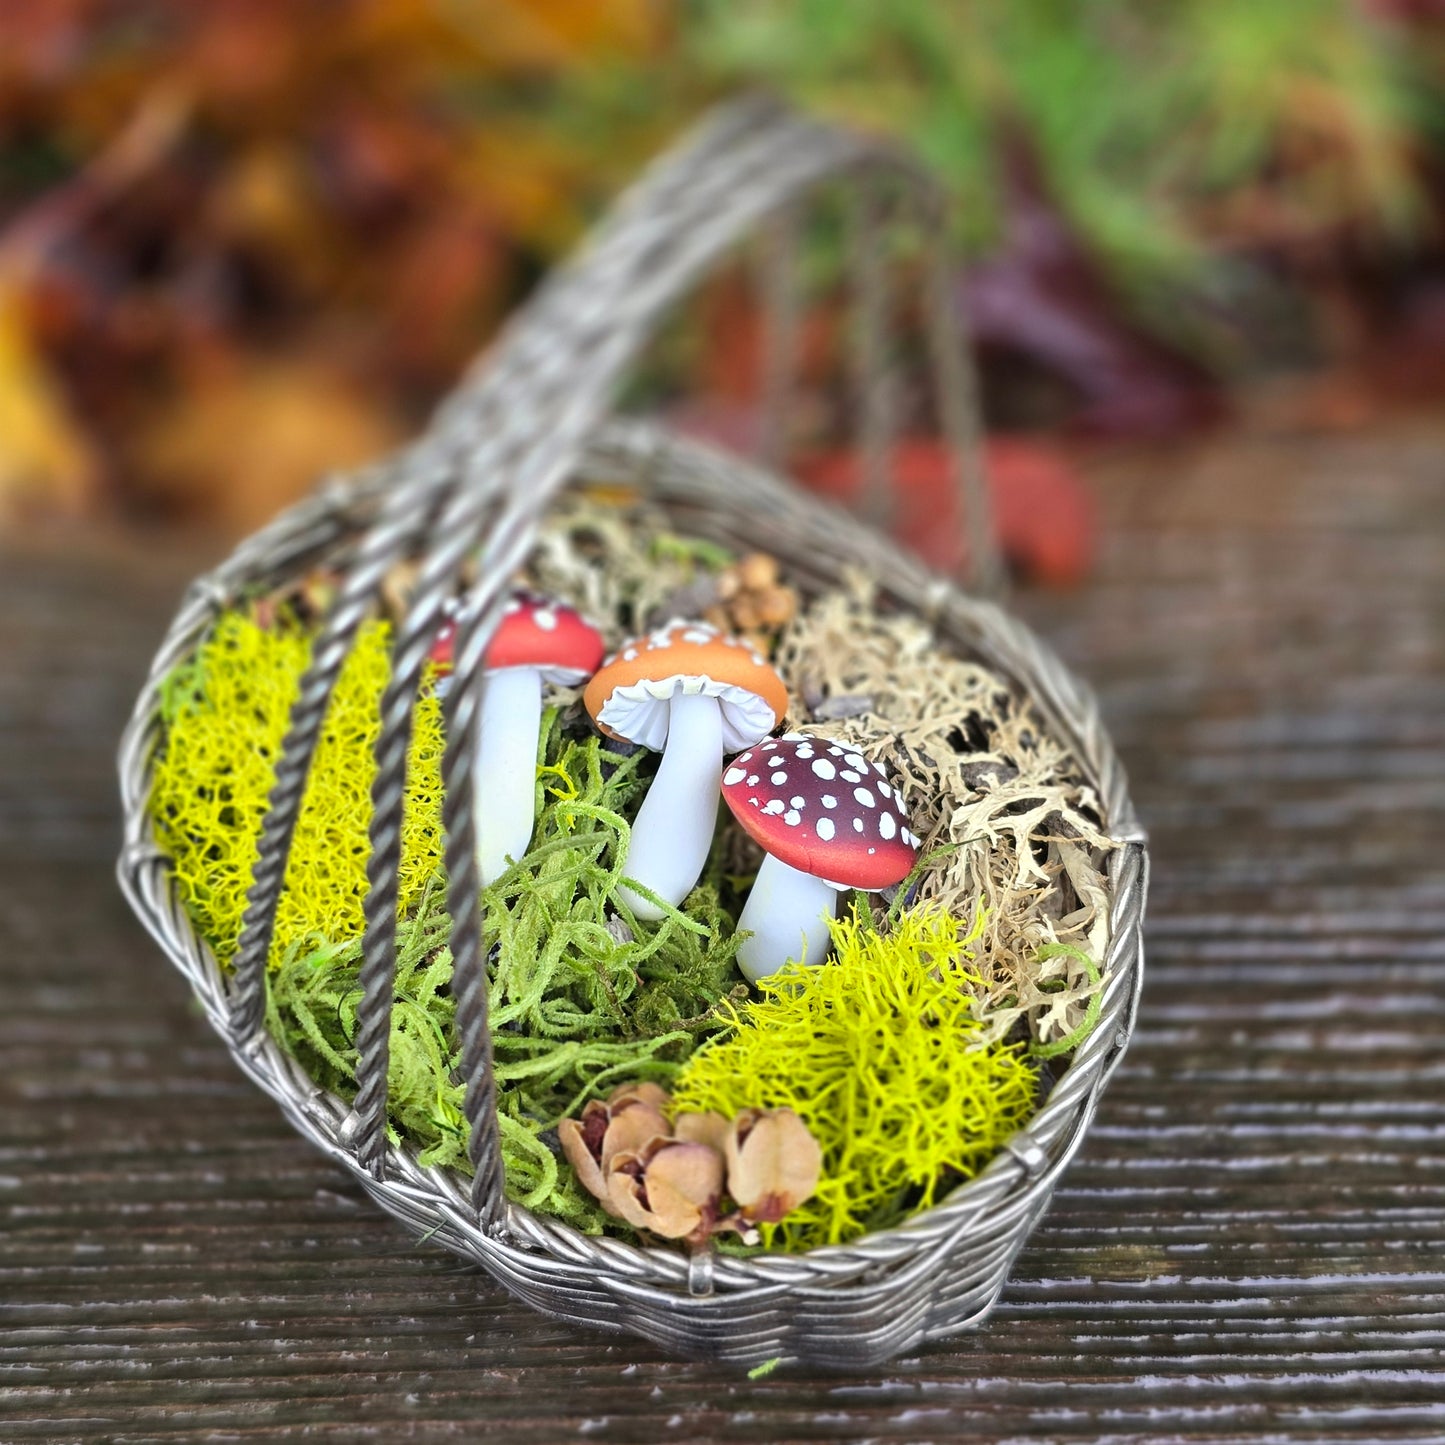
{"x":225,"y":715}
{"x":872,"y":1051}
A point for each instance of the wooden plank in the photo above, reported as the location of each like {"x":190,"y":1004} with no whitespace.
{"x":1250,"y":1247}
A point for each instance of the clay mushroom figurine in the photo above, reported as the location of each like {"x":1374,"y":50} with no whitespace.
{"x":828,"y":820}
{"x":693,"y":694}
{"x":537,"y":641}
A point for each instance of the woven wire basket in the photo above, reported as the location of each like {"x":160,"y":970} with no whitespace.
{"x":532,"y":419}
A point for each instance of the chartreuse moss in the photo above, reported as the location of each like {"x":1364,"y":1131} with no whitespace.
{"x":872,"y":1051}
{"x":576,"y":1007}
{"x":225,"y":714}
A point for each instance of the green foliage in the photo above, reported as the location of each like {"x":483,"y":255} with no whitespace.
{"x":225,"y":714}
{"x":878,"y":1053}
{"x":1075,"y":1037}
{"x":1142,"y":112}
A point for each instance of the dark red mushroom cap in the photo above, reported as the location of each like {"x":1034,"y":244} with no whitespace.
{"x":534,"y":632}
{"x":823,"y":809}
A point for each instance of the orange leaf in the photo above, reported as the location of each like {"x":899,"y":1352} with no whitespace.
{"x":44,"y":458}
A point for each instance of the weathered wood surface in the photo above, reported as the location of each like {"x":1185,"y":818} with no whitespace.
{"x":1251,"y":1247}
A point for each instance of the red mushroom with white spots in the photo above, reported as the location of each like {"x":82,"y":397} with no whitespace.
{"x":537,"y":641}
{"x":828,"y":820}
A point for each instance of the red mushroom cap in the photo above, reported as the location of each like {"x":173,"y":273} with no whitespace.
{"x":823,"y":809}
{"x":534,"y":632}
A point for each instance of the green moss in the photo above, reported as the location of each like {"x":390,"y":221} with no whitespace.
{"x":576,"y":1007}
{"x":873,"y":1053}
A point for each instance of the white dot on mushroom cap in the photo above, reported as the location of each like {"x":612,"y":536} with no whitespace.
{"x":885,"y":790}
{"x":825,"y":829}
{"x":630,"y":655}
{"x":854,"y":761}
{"x":792,"y":818}
{"x":753,"y":780}
{"x":779,"y":779}
{"x":849,"y":776}
{"x":799,"y":801}
{"x":511,"y":608}
{"x":734,"y":775}
{"x":770,"y":745}
{"x":865,"y":797}
{"x":857,"y":825}
{"x":546,"y":619}
{"x":828,"y":800}
{"x":774,"y":807}
{"x":824,"y":768}
{"x":886,"y":826}
{"x":804,"y":751}
{"x":872,"y":851}
{"x":744,"y":757}
{"x":693,"y":634}
{"x":837,"y":752}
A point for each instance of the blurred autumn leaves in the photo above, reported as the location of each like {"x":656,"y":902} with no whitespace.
{"x":243,"y":242}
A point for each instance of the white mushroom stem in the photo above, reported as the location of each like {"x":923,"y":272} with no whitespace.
{"x":787,"y":914}
{"x":673,"y":830}
{"x":505,"y":776}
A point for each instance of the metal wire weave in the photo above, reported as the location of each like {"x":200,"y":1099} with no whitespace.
{"x":530,"y":419}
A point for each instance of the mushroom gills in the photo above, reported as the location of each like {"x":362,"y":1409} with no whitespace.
{"x":673,"y":830}
{"x":787,"y":916}
{"x":505,"y":772}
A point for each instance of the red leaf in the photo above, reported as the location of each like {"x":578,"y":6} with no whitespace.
{"x":1043,"y":512}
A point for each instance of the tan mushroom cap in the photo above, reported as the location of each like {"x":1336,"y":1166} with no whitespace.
{"x":628,"y":696}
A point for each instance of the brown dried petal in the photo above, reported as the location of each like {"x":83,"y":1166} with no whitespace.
{"x":711,"y":1129}
{"x":757,"y":570}
{"x":773,"y":1163}
{"x":776,"y":606}
{"x":669,"y":1190}
{"x":653,"y":1095}
{"x":630,"y":1131}
{"x":573,"y":1139}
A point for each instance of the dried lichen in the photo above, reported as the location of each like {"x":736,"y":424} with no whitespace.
{"x":1000,"y":804}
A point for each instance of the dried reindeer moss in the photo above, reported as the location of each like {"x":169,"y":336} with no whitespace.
{"x":881,"y":1054}
{"x":225,"y":715}
{"x":1004,"y":814}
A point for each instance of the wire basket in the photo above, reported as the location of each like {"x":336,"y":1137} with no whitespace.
{"x":531,"y":419}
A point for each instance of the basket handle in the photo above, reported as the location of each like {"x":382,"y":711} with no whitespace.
{"x":498,"y":450}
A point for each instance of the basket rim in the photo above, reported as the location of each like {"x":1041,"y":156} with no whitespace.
{"x":1015,"y":1184}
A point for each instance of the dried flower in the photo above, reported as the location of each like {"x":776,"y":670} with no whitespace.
{"x":671,"y":1179}
{"x":630,"y":1119}
{"x":751,"y":601}
{"x":672,"y":1189}
{"x":773,"y":1163}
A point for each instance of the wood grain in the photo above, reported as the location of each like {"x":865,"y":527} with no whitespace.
{"x":1251,"y":1247}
